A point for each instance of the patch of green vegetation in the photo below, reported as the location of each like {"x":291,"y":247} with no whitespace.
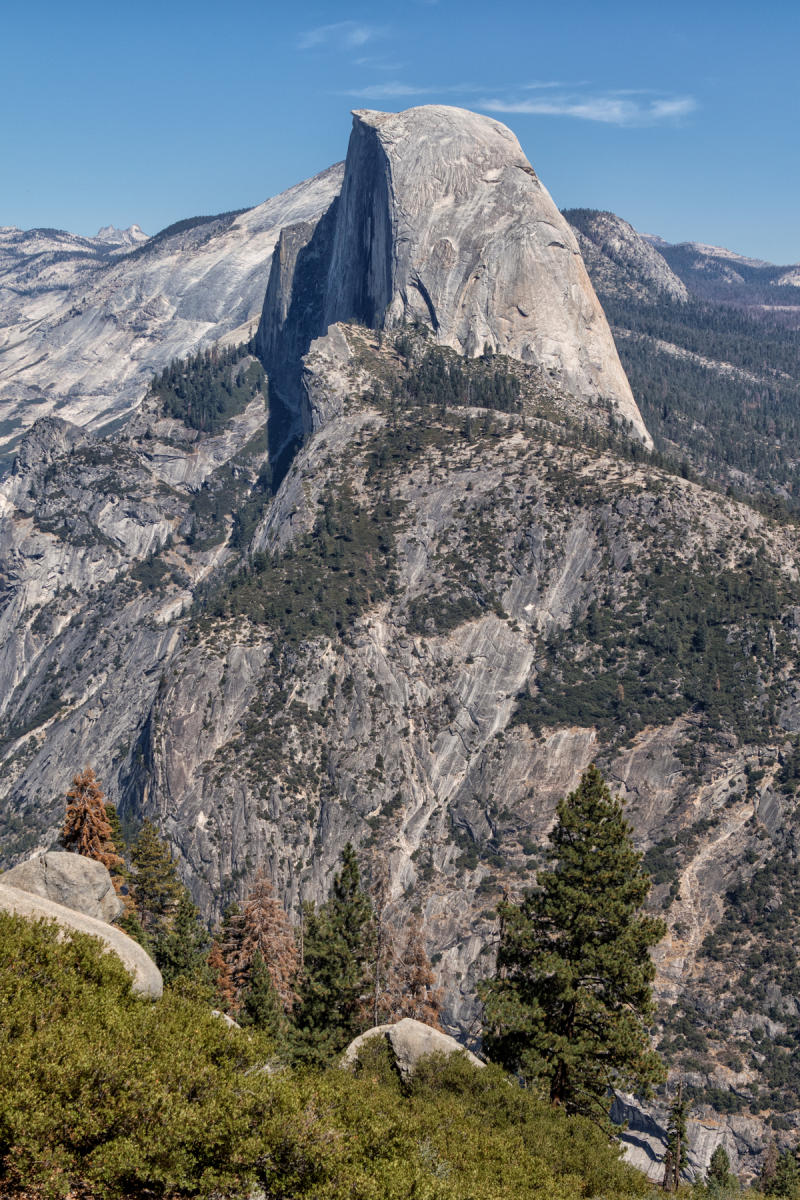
{"x":207,"y":389}
{"x":323,"y":583}
{"x":743,"y":420}
{"x":152,"y":572}
{"x":683,"y":638}
{"x":442,"y":379}
{"x":229,"y":492}
{"x":442,"y":612}
{"x":722,"y":1100}
{"x":104,"y":1094}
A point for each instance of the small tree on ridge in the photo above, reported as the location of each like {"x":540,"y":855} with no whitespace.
{"x":87,"y":829}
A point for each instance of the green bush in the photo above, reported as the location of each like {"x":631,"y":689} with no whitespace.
{"x":107,"y":1095}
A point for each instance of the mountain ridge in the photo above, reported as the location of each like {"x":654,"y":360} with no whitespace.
{"x":463,"y":585}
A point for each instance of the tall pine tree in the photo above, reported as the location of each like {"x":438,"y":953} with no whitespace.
{"x":786,"y":1179}
{"x":156,"y":886}
{"x":336,"y":984}
{"x":677,"y":1153}
{"x":569,"y":1006}
{"x":719,"y":1177}
{"x":260,"y":1004}
{"x":182,"y":952}
{"x":165,"y":918}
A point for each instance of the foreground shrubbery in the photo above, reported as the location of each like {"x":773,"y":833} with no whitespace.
{"x":108,"y":1095}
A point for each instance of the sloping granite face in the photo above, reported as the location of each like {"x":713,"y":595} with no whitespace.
{"x":621,"y":261}
{"x":442,"y":220}
{"x":146,"y":975}
{"x":84,"y":323}
{"x":73,"y":880}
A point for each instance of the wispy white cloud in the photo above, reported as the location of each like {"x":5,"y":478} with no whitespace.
{"x":624,"y":106}
{"x":609,"y":109}
{"x":681,"y":106}
{"x":377,"y":63}
{"x":549,"y":84}
{"x":395,"y":87}
{"x":380,"y":91}
{"x":348,"y":34}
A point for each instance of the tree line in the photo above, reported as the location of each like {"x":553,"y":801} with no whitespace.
{"x":567,"y":1011}
{"x":312,"y":987}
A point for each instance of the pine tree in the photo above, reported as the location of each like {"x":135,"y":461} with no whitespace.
{"x":677,"y":1154}
{"x":183,"y":950}
{"x":260,"y":1003}
{"x":383,"y":956}
{"x":786,"y":1180}
{"x":569,"y":1006}
{"x":335,"y":990}
{"x":157,"y":889}
{"x":87,"y":829}
{"x":120,"y":872}
{"x":719,"y":1177}
{"x":412,"y":991}
{"x":267,"y":932}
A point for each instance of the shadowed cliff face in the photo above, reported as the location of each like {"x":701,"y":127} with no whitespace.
{"x":442,"y":222}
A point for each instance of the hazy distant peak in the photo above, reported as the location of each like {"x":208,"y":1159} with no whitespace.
{"x":722,"y":252}
{"x":706,"y":250}
{"x":132,"y":236}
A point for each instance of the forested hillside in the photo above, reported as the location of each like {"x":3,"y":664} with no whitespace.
{"x":716,"y":372}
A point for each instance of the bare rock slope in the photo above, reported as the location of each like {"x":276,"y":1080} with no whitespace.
{"x":84,"y":323}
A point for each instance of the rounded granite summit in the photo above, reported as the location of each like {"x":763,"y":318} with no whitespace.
{"x":442,"y":220}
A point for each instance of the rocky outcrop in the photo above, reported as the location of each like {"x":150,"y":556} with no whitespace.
{"x":410,"y":1041}
{"x":442,"y":221}
{"x":71,"y":880}
{"x":620,"y":261}
{"x":146,"y":975}
{"x":86,"y":322}
{"x":645,"y":1134}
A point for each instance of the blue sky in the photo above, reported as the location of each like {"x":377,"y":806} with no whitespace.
{"x":682,"y":118}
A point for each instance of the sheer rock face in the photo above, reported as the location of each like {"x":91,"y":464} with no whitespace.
{"x":646,"y":1132}
{"x":442,"y":220}
{"x":86,"y":322}
{"x":69,"y":879}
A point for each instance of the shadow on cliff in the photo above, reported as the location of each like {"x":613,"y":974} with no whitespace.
{"x":300,"y":268}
